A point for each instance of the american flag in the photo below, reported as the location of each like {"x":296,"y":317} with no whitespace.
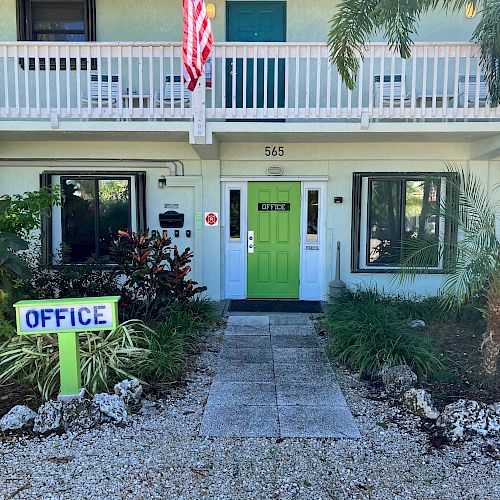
{"x":197,"y":40}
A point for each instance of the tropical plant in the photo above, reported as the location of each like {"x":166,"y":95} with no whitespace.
{"x":472,"y":261}
{"x":21,"y":213}
{"x":368,"y":331}
{"x":175,"y":338}
{"x":357,"y":20}
{"x":106,"y":358}
{"x":153,"y":277}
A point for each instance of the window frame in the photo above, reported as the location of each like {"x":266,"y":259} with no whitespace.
{"x":25,"y":25}
{"x":137,"y":197}
{"x":361,"y":213}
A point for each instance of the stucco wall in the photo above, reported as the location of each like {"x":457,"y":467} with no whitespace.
{"x":338,"y":161}
{"x":161,"y":20}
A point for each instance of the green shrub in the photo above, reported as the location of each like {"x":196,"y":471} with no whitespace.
{"x":175,"y":338}
{"x":106,"y":358}
{"x":368,"y":331}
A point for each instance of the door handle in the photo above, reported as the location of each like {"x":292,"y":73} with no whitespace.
{"x":251,"y":242}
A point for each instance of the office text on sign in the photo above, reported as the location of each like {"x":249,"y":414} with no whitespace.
{"x":274,"y":207}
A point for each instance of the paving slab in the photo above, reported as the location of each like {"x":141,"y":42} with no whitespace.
{"x":246,"y":330}
{"x":299,"y":341}
{"x":317,"y":422}
{"x":302,"y":372}
{"x":290,"y":319}
{"x":273,"y":380}
{"x":257,"y":321}
{"x":313,"y":393}
{"x":298,"y":355}
{"x":236,"y":371}
{"x":245,"y":355}
{"x":277,"y":330}
{"x":242,"y":393}
{"x":247,"y":341}
{"x":240,"y":421}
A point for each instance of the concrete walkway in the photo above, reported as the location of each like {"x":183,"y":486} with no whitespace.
{"x":273,"y":380}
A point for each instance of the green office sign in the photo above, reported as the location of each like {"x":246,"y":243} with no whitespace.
{"x":67,"y":318}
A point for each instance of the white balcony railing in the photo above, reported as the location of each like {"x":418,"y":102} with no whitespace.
{"x":288,"y":81}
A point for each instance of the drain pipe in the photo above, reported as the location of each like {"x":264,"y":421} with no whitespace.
{"x":337,"y":286}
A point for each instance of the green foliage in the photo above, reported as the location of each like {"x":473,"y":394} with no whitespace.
{"x":357,"y":20}
{"x":177,"y":336}
{"x":155,"y":273}
{"x":368,"y":330}
{"x":474,"y":258}
{"x":106,"y":358}
{"x":93,"y":278}
{"x":20,"y":213}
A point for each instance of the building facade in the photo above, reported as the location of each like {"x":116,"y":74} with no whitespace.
{"x":263,"y":168}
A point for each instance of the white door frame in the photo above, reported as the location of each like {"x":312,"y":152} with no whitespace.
{"x":235,"y":252}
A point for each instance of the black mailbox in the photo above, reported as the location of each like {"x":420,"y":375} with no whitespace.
{"x":171,"y":218}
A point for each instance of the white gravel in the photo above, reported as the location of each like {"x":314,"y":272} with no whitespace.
{"x":160,"y":455}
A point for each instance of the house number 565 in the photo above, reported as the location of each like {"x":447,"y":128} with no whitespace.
{"x":274,"y":151}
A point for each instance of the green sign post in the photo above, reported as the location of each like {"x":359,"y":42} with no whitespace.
{"x":67,"y":318}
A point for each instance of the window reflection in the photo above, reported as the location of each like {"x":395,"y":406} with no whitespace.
{"x":312,"y":215}
{"x":234,"y":215}
{"x":93,"y":210}
{"x":403,"y":215}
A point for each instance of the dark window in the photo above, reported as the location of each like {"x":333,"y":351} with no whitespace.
{"x":94,"y":207}
{"x":56,"y":21}
{"x":401,"y":214}
{"x":234,"y":215}
{"x":93,"y":210}
{"x":312,"y":215}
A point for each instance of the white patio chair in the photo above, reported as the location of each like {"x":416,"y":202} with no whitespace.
{"x":106,"y":97}
{"x":173,"y":93}
{"x":472,"y":90}
{"x":396,"y":84}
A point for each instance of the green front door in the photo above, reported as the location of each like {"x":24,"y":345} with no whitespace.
{"x":274,"y":251}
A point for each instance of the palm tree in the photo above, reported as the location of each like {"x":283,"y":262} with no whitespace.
{"x":357,"y":20}
{"x":473,"y":259}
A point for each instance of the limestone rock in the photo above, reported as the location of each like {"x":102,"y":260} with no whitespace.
{"x":19,"y":418}
{"x":49,"y":418}
{"x":398,"y":379}
{"x":417,"y":324}
{"x":419,"y":402}
{"x":470,"y":416}
{"x":130,"y":391}
{"x":80,"y":414}
{"x":112,"y":407}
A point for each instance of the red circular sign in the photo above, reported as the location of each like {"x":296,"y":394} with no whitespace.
{"x":211,"y":219}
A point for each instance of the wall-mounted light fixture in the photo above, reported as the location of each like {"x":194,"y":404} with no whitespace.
{"x":162,"y":182}
{"x":470,"y":10}
{"x":211,"y":10}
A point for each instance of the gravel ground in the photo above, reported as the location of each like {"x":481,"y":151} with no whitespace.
{"x":160,"y":455}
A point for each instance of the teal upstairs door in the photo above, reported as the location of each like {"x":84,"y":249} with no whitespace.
{"x":255,"y":22}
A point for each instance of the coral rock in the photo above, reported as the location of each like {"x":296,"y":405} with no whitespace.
{"x":470,"y":416}
{"x":80,"y":414}
{"x":417,"y":324}
{"x":130,"y":391}
{"x":398,"y":379}
{"x":112,"y":407}
{"x":49,"y":418}
{"x":19,"y":418}
{"x":419,"y":402}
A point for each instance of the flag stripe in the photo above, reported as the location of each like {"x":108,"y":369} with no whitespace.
{"x":197,"y":40}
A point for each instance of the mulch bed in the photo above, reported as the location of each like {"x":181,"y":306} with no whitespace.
{"x":463,"y":377}
{"x":12,"y":395}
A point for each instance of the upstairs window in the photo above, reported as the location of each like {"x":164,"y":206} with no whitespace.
{"x":56,"y":21}
{"x":394,"y":214}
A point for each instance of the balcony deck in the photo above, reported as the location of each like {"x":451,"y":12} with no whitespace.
{"x":441,"y":82}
